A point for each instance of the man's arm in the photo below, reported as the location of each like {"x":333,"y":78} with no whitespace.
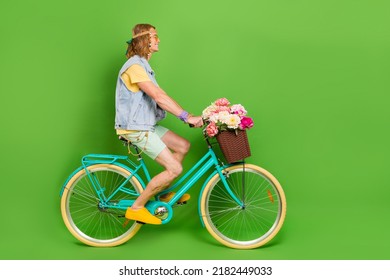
{"x":161,"y":98}
{"x":166,"y":102}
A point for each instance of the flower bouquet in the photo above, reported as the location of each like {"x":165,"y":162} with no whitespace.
{"x":228,"y":124}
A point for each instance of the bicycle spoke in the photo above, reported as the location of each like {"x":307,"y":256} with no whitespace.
{"x":91,"y":219}
{"x":249,"y":224}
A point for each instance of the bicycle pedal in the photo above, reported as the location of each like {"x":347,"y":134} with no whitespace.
{"x":180,"y":203}
{"x":127,"y":221}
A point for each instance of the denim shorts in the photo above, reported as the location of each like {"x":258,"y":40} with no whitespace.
{"x":149,"y":142}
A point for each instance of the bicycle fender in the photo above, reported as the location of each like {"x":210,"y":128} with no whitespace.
{"x":67,"y":180}
{"x":116,"y":163}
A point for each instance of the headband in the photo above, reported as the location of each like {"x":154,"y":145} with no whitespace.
{"x":138,"y":35}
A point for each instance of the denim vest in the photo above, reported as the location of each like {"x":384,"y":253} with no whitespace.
{"x":136,"y":110}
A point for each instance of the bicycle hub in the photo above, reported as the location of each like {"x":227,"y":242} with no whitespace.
{"x":161,"y":212}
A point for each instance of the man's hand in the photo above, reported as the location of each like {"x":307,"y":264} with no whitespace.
{"x":195,"y":121}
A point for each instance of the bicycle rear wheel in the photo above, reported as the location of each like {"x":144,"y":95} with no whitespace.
{"x":257,"y":221}
{"x":83,"y":213}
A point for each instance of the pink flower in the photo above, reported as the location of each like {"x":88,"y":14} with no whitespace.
{"x":211,"y":129}
{"x":222,"y":102}
{"x":246,"y":122}
{"x":220,"y":116}
{"x":223,"y":109}
{"x":238,"y":109}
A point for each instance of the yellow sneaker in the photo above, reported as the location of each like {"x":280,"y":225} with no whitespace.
{"x":168,"y":196}
{"x":142,"y":215}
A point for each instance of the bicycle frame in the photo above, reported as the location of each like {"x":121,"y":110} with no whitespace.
{"x":241,"y":205}
{"x":184,"y":183}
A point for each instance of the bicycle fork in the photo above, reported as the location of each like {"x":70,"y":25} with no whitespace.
{"x":223,"y":176}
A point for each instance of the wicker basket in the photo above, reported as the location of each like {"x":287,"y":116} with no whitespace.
{"x":235,"y":147}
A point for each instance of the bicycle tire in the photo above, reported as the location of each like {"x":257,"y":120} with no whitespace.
{"x":246,"y":227}
{"x":82,"y":214}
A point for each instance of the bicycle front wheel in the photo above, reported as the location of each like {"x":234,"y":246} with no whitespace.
{"x":83,"y":213}
{"x":257,"y":220}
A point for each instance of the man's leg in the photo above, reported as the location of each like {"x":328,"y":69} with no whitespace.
{"x":177,"y":144}
{"x":173,"y":168}
{"x":171,"y":161}
{"x":179,"y":147}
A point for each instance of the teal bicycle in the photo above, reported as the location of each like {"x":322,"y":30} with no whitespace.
{"x":241,"y":205}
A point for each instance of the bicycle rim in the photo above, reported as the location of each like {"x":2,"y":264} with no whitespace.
{"x":83,"y":214}
{"x":261,"y":216}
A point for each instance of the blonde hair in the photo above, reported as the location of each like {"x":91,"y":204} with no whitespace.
{"x":139,"y":45}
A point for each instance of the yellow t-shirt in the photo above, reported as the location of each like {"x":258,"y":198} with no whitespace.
{"x":133,"y":75}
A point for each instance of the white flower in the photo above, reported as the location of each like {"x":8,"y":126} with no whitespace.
{"x":233,"y":121}
{"x":209,"y":111}
{"x":223,"y":116}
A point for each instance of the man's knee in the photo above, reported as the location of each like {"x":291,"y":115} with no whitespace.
{"x":175,"y":169}
{"x":182,"y":146}
{"x":186,"y":147}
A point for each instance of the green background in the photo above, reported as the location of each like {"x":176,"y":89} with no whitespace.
{"x":314,"y":75}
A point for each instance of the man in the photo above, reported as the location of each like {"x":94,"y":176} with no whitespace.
{"x":140,"y":104}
